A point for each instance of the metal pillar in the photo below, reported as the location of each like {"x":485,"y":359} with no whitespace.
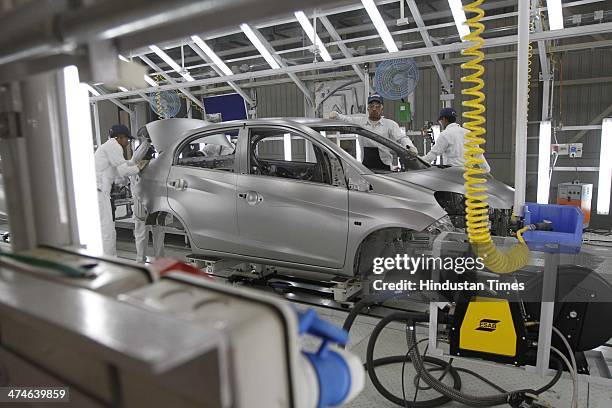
{"x":551,"y":265}
{"x":520,"y":167}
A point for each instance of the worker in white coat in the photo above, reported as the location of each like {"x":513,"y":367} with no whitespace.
{"x":110,"y":164}
{"x":375,"y":156}
{"x":141,"y":232}
{"x":450,"y":143}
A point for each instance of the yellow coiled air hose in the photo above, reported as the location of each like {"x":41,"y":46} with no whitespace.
{"x":477,"y":208}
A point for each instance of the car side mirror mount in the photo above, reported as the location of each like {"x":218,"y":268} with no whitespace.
{"x":358,"y":183}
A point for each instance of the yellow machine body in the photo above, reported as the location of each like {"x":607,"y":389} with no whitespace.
{"x":488,"y":327}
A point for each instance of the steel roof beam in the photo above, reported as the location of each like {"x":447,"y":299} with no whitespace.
{"x":343,"y":48}
{"x":232,"y":84}
{"x":416,"y":14}
{"x":301,"y":85}
{"x":439,"y":49}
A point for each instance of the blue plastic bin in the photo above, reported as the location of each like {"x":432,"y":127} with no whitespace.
{"x":566,"y":236}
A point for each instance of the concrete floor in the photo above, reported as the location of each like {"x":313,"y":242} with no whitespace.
{"x":393,"y":342}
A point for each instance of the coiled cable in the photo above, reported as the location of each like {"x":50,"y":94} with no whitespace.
{"x":477,"y":208}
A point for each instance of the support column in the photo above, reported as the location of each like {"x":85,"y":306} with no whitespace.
{"x":520,"y":168}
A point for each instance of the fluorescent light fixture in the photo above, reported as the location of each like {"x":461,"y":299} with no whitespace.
{"x":312,"y":35}
{"x":555,"y":14}
{"x":150,"y":81}
{"x":82,"y":161}
{"x":161,"y":54}
{"x":211,"y":54}
{"x":92,"y":90}
{"x":459,"y":17}
{"x":435,"y":129}
{"x":380,"y":25}
{"x":122,"y":58}
{"x":287,"y":146}
{"x":605,"y":168}
{"x":248,"y":31}
{"x":122,"y":89}
{"x":544,"y":163}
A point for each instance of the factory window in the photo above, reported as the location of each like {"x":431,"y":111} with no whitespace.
{"x":279,"y":153}
{"x":216,"y":152}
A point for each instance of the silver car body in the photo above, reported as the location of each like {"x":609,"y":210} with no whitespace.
{"x":273,"y":220}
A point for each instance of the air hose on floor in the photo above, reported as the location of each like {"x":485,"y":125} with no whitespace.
{"x":477,"y":208}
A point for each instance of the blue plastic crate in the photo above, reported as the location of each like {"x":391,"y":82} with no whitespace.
{"x":566,"y":236}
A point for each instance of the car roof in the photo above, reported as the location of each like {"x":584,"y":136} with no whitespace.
{"x":314,"y":122}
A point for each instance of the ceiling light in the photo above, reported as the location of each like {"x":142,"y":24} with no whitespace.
{"x":161,"y":54}
{"x":150,"y":81}
{"x":211,"y":54}
{"x":310,"y":33}
{"x":544,"y":163}
{"x":122,"y":89}
{"x":248,"y":31}
{"x":459,"y":17}
{"x":555,"y":14}
{"x":605,"y":168}
{"x":380,"y":25}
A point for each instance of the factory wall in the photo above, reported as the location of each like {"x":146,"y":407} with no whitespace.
{"x":283,"y":100}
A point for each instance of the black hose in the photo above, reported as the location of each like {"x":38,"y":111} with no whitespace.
{"x":418,"y":361}
{"x":371,"y":364}
{"x":553,"y":359}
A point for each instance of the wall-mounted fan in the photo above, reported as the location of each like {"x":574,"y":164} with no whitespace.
{"x":166,"y":104}
{"x":396,"y":79}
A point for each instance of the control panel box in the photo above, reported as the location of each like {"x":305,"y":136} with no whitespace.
{"x":578,"y":195}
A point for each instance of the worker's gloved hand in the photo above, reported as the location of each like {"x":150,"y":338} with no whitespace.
{"x":142,"y":164}
{"x":395,"y":168}
{"x":333,"y":115}
{"x":412,"y":151}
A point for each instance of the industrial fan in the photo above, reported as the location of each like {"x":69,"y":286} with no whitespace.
{"x":396,"y":79}
{"x":166,"y":104}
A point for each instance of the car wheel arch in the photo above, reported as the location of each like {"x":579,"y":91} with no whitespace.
{"x":386,"y":235}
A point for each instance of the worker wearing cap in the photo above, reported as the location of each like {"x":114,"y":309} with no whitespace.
{"x":450,"y":142}
{"x":372,"y":152}
{"x":110,"y":164}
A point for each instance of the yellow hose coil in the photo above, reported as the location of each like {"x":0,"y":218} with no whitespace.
{"x":477,"y":208}
{"x":160,"y":114}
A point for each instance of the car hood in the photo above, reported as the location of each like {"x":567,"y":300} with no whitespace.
{"x":164,"y":133}
{"x":451,"y":179}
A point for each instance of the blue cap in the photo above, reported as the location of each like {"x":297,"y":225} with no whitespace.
{"x":117,"y":130}
{"x":448,"y":113}
{"x":375,"y":98}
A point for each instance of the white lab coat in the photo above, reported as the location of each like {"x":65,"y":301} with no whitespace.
{"x":141,"y":232}
{"x":384,"y":127}
{"x":450,"y":146}
{"x":110,"y":164}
